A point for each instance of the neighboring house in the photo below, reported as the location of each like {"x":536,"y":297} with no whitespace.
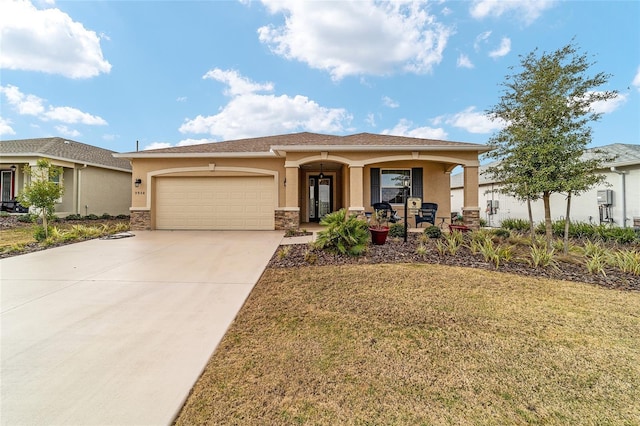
{"x":613,"y":201}
{"x":278,"y":182}
{"x":94,"y":181}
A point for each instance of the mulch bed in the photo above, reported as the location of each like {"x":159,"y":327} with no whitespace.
{"x":396,"y":251}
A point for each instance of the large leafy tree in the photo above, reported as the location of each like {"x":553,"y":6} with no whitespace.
{"x":42,"y":191}
{"x":546,"y":108}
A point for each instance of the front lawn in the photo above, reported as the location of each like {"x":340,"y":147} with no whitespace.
{"x":423,"y":344}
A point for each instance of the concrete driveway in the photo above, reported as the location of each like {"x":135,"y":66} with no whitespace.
{"x":118,"y":331}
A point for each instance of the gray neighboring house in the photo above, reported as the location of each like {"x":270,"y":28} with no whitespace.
{"x":95,"y":182}
{"x":616,"y":201}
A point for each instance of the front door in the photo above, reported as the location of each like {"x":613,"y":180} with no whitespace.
{"x":320,"y":197}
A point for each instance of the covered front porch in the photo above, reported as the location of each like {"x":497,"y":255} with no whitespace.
{"x":324,"y":182}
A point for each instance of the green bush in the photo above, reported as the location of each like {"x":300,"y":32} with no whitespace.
{"x":343,"y":234}
{"x":433,"y":232}
{"x":106,"y":216}
{"x":501,"y":233}
{"x":483,"y":222}
{"x":39,"y":233}
{"x":122,"y":216}
{"x":28,"y":218}
{"x":91,"y":217}
{"x":73,"y":217}
{"x":396,"y":230}
{"x":520,"y":225}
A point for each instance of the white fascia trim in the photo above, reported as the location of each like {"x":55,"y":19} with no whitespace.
{"x":132,"y":155}
{"x":282,"y":149}
{"x":288,"y":209}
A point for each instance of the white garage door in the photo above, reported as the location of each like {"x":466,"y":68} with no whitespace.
{"x":220,"y":203}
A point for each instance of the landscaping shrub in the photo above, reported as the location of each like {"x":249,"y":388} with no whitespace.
{"x":396,"y":230}
{"x":74,"y":216}
{"x":91,"y":217}
{"x":40,"y":234}
{"x":122,"y":216}
{"x":433,"y":232}
{"x":502,"y":233}
{"x":28,"y":218}
{"x":343,"y":234}
{"x":519,"y":225}
{"x":106,"y":216}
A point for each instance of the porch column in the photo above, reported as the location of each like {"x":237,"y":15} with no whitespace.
{"x":288,"y":217}
{"x":356,"y":195}
{"x":291,"y":186}
{"x":471,"y":210}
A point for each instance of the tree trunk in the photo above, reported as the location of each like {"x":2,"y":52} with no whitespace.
{"x":531,"y":225}
{"x":547,"y":219}
{"x":567,"y":223}
{"x":44,"y":223}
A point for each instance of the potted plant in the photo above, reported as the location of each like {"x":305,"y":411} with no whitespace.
{"x":379,"y":226}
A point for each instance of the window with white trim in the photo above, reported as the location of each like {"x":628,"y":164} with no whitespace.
{"x":392,"y":185}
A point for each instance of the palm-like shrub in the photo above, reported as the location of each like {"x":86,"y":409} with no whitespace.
{"x":345,"y":234}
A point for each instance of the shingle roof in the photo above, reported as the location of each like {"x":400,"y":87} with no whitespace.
{"x":264,"y":144}
{"x":626,"y":155}
{"x":63,"y":149}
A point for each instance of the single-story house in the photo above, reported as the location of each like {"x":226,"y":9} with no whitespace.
{"x":279,"y":182}
{"x":615,"y":201}
{"x":95,"y":182}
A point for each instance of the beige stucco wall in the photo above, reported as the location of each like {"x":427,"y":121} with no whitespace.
{"x":436,"y":166}
{"x":103,"y":191}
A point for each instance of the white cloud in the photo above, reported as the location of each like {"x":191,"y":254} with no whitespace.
{"x":238,"y":85}
{"x":528,"y":11}
{"x":371,"y":119}
{"x":24,"y":104}
{"x":481,"y":39}
{"x":250,"y":114}
{"x":464,"y":61}
{"x":181,"y":99}
{"x":357,"y":37}
{"x":48,"y":40}
{"x":606,"y":107}
{"x":157,"y":145}
{"x":404,"y":128}
{"x":5,"y":127}
{"x":636,"y":80}
{"x":65,"y":131}
{"x":471,"y":121}
{"x":27,"y":104}
{"x":390,"y":102}
{"x":503,"y":50}
{"x":72,"y":116}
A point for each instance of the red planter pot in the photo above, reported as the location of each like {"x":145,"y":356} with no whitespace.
{"x":379,"y":235}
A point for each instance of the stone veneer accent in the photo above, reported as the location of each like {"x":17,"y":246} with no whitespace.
{"x":471,"y":218}
{"x":287,"y":219}
{"x":140,"y":220}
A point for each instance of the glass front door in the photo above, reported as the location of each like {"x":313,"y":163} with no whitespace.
{"x":320,"y":197}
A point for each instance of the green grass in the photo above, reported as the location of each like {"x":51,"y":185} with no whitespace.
{"x":423,"y":344}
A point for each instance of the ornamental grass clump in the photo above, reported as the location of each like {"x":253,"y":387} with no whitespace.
{"x":344,"y":234}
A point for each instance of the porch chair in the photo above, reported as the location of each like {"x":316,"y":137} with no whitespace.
{"x":388,"y":211}
{"x":427,"y":214}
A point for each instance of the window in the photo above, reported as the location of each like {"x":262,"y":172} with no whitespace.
{"x":58,"y":181}
{"x":392,"y":184}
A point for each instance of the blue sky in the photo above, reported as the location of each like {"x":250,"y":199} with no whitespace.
{"x":168,"y":73}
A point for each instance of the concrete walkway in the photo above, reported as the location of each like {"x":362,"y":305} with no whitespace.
{"x":116,"y":332}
